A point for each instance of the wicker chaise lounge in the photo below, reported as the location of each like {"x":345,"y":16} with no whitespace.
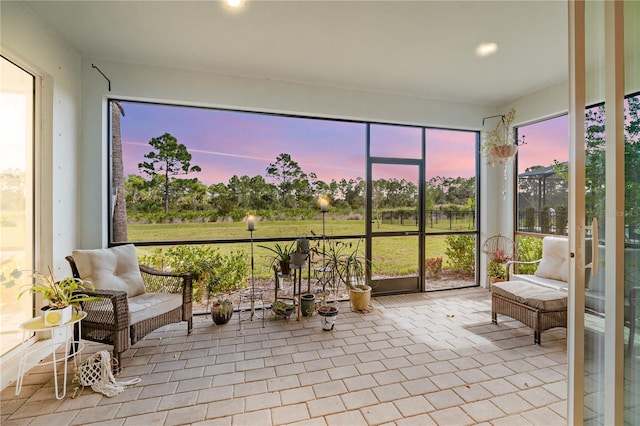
{"x":136,"y":299}
{"x":535,"y":306}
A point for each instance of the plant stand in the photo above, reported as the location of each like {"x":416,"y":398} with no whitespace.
{"x":59,"y":335}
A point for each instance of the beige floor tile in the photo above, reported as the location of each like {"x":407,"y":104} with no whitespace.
{"x":512,"y":404}
{"x":482,"y":411}
{"x":400,"y":364}
{"x":359,"y":399}
{"x":325,"y":406}
{"x":444,"y":399}
{"x":472,"y":392}
{"x":412,"y":406}
{"x":353,"y":418}
{"x":289,"y":414}
{"x":335,"y":387}
{"x":451,"y":416}
{"x":419,"y":420}
{"x":262,"y":417}
{"x":381,"y":413}
{"x":297,"y":395}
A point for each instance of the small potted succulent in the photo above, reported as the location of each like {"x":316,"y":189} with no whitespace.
{"x":282,"y":309}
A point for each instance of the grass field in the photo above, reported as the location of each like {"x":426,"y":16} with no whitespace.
{"x":392,"y":256}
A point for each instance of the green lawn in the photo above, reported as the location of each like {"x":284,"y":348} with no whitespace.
{"x":392,"y":256}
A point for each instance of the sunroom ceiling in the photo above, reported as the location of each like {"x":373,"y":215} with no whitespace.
{"x":417,"y":48}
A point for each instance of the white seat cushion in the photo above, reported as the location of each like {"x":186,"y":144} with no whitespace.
{"x":532,"y":295}
{"x":543,"y":282}
{"x":150,"y":305}
{"x":113,"y":268}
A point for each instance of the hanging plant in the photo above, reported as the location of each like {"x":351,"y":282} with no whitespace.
{"x":500,"y":145}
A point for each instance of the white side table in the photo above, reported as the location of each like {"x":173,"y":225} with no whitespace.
{"x":58,"y":335}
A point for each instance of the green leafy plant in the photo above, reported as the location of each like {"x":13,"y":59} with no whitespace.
{"x":213,"y":273}
{"x":58,"y":294}
{"x":281,"y":254}
{"x":529,"y":249}
{"x":496,"y":270}
{"x":346,"y":262}
{"x":461,"y":252}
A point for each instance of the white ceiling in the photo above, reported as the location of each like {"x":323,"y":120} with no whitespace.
{"x":420,"y":48}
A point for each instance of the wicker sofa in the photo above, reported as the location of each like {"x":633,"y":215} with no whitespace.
{"x":136,"y":299}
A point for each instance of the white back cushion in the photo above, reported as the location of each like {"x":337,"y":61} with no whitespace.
{"x":113,"y":268}
{"x":555,"y":259}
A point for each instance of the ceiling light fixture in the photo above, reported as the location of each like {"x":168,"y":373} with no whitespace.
{"x":486,"y":49}
{"x":234,"y":3}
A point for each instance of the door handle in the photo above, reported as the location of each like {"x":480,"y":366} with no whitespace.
{"x":594,"y":246}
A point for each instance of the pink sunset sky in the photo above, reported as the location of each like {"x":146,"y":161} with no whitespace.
{"x":227,"y":143}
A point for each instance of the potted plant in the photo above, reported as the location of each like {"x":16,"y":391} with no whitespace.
{"x":349,"y":267}
{"x":496,"y":271}
{"x":221,"y":311}
{"x":499,"y":145}
{"x":282,"y":256}
{"x":226,"y":274}
{"x":282,"y":309}
{"x":62,"y":296}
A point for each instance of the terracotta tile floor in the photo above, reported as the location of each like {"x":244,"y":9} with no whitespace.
{"x":418,"y":359}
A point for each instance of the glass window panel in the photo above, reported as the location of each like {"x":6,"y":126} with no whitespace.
{"x":451,"y":180}
{"x":450,"y":261}
{"x":542,"y":177}
{"x":395,"y":141}
{"x":276,"y":167}
{"x":16,"y":198}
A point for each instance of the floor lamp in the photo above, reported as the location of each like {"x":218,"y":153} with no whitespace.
{"x":253,"y":296}
{"x":324,"y":208}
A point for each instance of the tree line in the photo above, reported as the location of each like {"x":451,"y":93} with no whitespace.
{"x":289,"y":188}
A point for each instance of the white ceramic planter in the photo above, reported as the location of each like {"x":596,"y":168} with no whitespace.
{"x":53,"y":317}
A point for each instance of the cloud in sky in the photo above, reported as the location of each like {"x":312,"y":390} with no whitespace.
{"x":226,"y":143}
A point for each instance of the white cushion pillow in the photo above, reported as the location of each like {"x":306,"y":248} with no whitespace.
{"x":555,"y":259}
{"x":113,"y":268}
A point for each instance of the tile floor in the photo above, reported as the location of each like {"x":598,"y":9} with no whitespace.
{"x":418,"y":359}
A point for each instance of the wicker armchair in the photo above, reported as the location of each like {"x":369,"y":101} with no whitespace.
{"x":120,"y":319}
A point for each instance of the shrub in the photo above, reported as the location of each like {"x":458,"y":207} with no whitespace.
{"x":213,"y":272}
{"x":529,"y":249}
{"x":433,"y":266}
{"x":461,"y":252}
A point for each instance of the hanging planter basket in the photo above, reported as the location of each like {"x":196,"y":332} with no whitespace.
{"x":504,"y":151}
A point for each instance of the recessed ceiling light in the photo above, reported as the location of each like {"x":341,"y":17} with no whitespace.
{"x":234,"y":3}
{"x":486,"y":49}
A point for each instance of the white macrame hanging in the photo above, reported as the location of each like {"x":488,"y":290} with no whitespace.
{"x":96,"y":372}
